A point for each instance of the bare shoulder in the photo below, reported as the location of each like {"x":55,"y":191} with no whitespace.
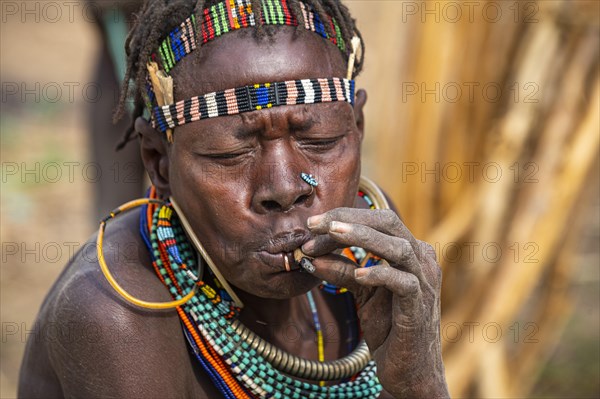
{"x":94,"y":343}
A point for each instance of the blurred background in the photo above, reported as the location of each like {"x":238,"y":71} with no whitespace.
{"x":483,"y":125}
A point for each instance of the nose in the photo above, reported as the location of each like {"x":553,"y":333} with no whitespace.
{"x":281,"y":190}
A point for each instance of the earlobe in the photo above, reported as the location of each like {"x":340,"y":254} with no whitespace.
{"x":154,"y":153}
{"x":359,"y":116}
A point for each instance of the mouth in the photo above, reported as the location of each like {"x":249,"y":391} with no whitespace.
{"x":280,"y":247}
{"x":278,"y":262}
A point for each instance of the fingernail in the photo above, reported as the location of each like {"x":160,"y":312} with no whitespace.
{"x":360,"y":273}
{"x":339,"y":227}
{"x":308,"y":246}
{"x":314,"y":221}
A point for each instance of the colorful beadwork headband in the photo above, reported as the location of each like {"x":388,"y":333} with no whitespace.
{"x":231,"y":15}
{"x":219,"y":19}
{"x":251,"y":98}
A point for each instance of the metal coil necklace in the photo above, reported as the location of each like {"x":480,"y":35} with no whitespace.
{"x":238,"y":362}
{"x":235,"y":358}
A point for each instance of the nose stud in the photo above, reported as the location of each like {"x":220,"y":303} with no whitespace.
{"x":310,"y":179}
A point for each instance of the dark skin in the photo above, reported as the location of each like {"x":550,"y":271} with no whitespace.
{"x":236,"y":180}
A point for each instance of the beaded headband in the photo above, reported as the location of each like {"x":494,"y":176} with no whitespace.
{"x":231,"y":15}
{"x":251,"y":98}
{"x":222,"y":18}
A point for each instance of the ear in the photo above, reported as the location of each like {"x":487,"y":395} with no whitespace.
{"x":154,"y":150}
{"x":359,"y":116}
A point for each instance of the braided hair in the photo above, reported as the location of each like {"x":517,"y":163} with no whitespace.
{"x":158,"y":17}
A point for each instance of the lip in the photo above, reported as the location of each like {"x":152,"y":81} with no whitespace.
{"x":286,"y":242}
{"x":282,"y":245}
{"x":276,"y":261}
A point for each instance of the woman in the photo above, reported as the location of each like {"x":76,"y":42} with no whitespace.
{"x":253,"y":149}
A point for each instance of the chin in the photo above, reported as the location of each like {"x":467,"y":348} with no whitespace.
{"x":274,"y":284}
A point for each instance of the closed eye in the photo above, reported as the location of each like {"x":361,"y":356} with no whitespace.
{"x":321,"y":145}
{"x":226,"y":158}
{"x":222,"y":156}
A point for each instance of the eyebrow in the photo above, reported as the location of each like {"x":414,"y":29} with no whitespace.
{"x":304,"y":124}
{"x":296,"y":124}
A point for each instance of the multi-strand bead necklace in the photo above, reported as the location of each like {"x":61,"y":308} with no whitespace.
{"x":237,"y":364}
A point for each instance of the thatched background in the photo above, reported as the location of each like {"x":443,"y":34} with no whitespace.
{"x":482,"y":126}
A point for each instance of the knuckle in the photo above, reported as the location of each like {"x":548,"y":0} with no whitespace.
{"x":345,"y":274}
{"x":329,"y":216}
{"x":321,"y":243}
{"x":433,"y":274}
{"x":389,"y":216}
{"x":362,"y":230}
{"x":324,"y":240}
{"x":427,"y":250}
{"x":338,"y":213}
{"x":383,"y":274}
{"x":384,"y":246}
{"x":404,"y":249}
{"x":412,"y":283}
{"x":391,"y":249}
{"x":339,"y":273}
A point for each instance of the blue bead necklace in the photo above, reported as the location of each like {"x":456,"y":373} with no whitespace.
{"x":210,"y":316}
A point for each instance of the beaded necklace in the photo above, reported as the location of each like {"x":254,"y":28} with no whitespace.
{"x":234,"y":366}
{"x":315,"y":314}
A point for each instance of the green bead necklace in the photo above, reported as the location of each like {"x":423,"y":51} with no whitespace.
{"x":213,"y":318}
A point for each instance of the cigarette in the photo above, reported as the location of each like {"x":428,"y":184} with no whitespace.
{"x":304,"y":261}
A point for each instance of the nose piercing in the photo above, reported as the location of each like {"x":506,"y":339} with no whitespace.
{"x":310,"y":179}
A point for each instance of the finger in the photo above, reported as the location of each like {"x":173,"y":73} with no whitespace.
{"x":395,"y":250}
{"x":383,"y":220}
{"x":337,"y":270}
{"x":321,"y":245}
{"x":399,"y":282}
{"x":427,"y":250}
{"x":431,"y":268}
{"x":405,"y":286}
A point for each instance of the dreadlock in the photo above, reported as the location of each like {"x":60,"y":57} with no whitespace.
{"x":159,"y":17}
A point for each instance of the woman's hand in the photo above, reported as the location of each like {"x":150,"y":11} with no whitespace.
{"x":399,"y":303}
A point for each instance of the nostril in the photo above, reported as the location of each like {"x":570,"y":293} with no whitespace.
{"x":301,"y":199}
{"x":271,"y":205}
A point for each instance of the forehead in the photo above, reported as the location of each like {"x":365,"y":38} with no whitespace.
{"x":240,"y":58}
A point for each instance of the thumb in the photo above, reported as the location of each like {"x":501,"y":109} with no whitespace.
{"x":337,"y":270}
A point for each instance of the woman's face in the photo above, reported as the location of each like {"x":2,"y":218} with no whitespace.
{"x":237,"y":178}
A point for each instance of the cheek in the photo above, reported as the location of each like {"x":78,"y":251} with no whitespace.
{"x":215,"y":211}
{"x":216,"y":201}
{"x":339,"y":180}
{"x":213,"y":205}
{"x":211,"y":187}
